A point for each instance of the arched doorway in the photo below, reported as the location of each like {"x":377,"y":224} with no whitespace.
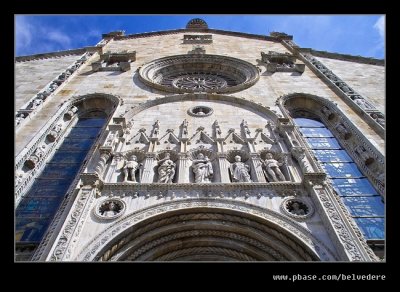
{"x":206,"y":234}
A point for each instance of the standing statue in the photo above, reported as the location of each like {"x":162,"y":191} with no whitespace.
{"x":166,"y":169}
{"x":240,"y":171}
{"x":300,"y":155}
{"x":202,"y":169}
{"x":272,"y":168}
{"x":130,"y":168}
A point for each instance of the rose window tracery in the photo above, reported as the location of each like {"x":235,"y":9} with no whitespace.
{"x":199,"y":82}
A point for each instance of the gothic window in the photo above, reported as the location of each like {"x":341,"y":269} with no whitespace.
{"x":37,"y":209}
{"x":364,"y":204}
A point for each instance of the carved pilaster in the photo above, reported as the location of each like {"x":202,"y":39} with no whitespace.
{"x":224,"y":167}
{"x":256,"y":168}
{"x":148,"y":171}
{"x":104,"y":156}
{"x":183,"y":168}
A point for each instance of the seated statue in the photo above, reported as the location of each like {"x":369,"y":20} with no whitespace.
{"x":166,"y":169}
{"x":239,"y":171}
{"x":202,"y":169}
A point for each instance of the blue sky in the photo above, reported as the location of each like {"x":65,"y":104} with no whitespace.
{"x":362,"y":35}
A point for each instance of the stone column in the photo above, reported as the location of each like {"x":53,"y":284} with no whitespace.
{"x":183,"y":168}
{"x":104,"y":156}
{"x":148,"y":168}
{"x":256,"y":173}
{"x":223,"y":168}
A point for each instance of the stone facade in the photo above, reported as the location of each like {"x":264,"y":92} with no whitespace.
{"x":199,"y":145}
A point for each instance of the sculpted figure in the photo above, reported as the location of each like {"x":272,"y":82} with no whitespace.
{"x":240,"y":171}
{"x":166,"y":169}
{"x":130,"y":168}
{"x":202,"y":169}
{"x":272,"y":168}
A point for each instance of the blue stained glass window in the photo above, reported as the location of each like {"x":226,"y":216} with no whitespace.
{"x":354,"y":187}
{"x":372,"y":228}
{"x":364,"y":206}
{"x":332,"y":156}
{"x":323,"y":143}
{"x":36,"y":210}
{"x":301,"y":122}
{"x":341,"y":170}
{"x":355,"y":191}
{"x":316,"y":132}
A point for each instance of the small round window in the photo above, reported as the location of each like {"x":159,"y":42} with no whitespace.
{"x":200,"y":111}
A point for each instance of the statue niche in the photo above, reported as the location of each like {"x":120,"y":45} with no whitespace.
{"x":202,"y":167}
{"x":130,"y":167}
{"x":274,"y":166}
{"x":239,"y":171}
{"x":166,"y":167}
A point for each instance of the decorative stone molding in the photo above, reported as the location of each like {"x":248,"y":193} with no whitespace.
{"x":109,"y":209}
{"x":91,"y":250}
{"x":297,"y":208}
{"x":197,"y":50}
{"x":278,"y":62}
{"x":197,"y":39}
{"x":371,"y":115}
{"x":37,"y":101}
{"x":208,"y":73}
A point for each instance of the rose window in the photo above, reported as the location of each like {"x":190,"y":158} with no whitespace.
{"x":199,"y":82}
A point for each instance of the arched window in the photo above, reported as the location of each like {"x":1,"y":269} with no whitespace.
{"x":38,"y":207}
{"x":363,"y":202}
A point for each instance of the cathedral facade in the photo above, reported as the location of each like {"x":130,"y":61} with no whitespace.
{"x":199,"y":144}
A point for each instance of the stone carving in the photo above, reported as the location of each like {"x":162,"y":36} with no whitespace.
{"x":202,"y":168}
{"x":362,"y":103}
{"x":197,"y":39}
{"x":240,"y":172}
{"x":296,"y":208}
{"x":364,"y":155}
{"x":130,"y":168}
{"x":327,"y":112}
{"x":36,"y":103}
{"x":300,"y":155}
{"x":111,"y":140}
{"x":278,"y":62}
{"x":197,"y":50}
{"x":199,"y":82}
{"x":20,"y":117}
{"x":90,"y":251}
{"x":71,"y":112}
{"x":36,"y":156}
{"x":344,"y":133}
{"x":52,"y":136}
{"x":379,"y":119}
{"x":110,"y":209}
{"x":272,"y":169}
{"x":166,"y":169}
{"x":19,"y":177}
{"x":213,"y":74}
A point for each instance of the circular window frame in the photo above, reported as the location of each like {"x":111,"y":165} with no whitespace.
{"x":209,"y":111}
{"x":290,"y":214}
{"x":238,"y":74}
{"x":97,"y":213}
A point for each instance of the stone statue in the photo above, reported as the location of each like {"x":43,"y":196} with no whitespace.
{"x":36,"y":102}
{"x":166,"y":169}
{"x":299,"y":154}
{"x":343,"y":131}
{"x":19,"y":118}
{"x":202,"y":169}
{"x":362,"y":103}
{"x":200,"y":112}
{"x":378,"y":119}
{"x":272,"y":168}
{"x":130,"y":168}
{"x":240,"y":171}
{"x":327,"y":112}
